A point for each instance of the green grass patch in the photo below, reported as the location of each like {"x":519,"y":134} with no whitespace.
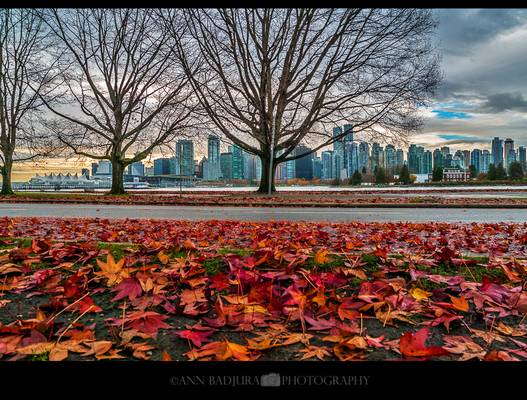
{"x":117,"y":250}
{"x":239,"y":252}
{"x":214,"y":266}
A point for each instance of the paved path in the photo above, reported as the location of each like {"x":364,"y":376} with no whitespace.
{"x":264,"y":214}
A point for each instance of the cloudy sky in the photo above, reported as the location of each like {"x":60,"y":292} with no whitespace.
{"x":484,"y":91}
{"x":483,"y":94}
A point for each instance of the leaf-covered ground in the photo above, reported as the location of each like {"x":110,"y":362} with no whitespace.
{"x":87,"y":289}
{"x":418,"y":198}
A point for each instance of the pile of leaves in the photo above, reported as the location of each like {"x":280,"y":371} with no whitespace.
{"x":86,"y":289}
{"x":427,"y":198}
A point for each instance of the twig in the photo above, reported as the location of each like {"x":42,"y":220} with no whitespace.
{"x":71,"y":324}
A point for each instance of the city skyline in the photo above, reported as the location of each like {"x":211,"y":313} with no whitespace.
{"x":483,"y":94}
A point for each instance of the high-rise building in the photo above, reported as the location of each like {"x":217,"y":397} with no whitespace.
{"x":203,"y":168}
{"x":466,"y":158}
{"x":226,"y":165}
{"x":521,"y":157}
{"x":377,"y":156}
{"x":185,"y":157}
{"x":486,"y":160}
{"x":237,"y":162}
{"x":497,"y":151}
{"x":162,"y":166}
{"x":327,"y":165}
{"x":364,"y":155}
{"x":390,"y":159}
{"x":104,"y":167}
{"x":304,"y":165}
{"x":509,"y":152}
{"x":317,"y":168}
{"x":476,"y":159}
{"x":439,"y":159}
{"x":399,"y":158}
{"x":352,"y":151}
{"x":427,"y":162}
{"x":213,"y":171}
{"x":136,"y":169}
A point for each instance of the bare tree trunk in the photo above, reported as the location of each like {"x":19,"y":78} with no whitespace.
{"x":6,"y":176}
{"x":266,"y":179}
{"x":117,"y":177}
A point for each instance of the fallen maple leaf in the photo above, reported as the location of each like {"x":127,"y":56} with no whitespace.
{"x":420,"y":294}
{"x":413,"y":345}
{"x":129,"y":287}
{"x":460,"y":303}
{"x":321,"y":257}
{"x":195,"y":336}
{"x":111,"y":270}
{"x":314,"y":351}
{"x":222,"y":351}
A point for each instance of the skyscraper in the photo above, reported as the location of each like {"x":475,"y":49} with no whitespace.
{"x":476,"y":159}
{"x":399,"y":158}
{"x":497,"y":151}
{"x":439,"y":159}
{"x":317,"y":168}
{"x":486,"y":160}
{"x":304,"y":165}
{"x":521,"y":157}
{"x":377,"y":156}
{"x":213,"y":159}
{"x":185,"y":157}
{"x":510,"y":154}
{"x":162,"y":166}
{"x":237,"y":162}
{"x":364,"y":155}
{"x":327,"y":165}
{"x":390,"y":160}
{"x":226,"y":165}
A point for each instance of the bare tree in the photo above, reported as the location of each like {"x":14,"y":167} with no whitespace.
{"x":125,"y":97}
{"x":272,"y":78}
{"x":26,"y":76}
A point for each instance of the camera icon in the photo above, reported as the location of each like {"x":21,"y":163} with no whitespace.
{"x":270,"y":380}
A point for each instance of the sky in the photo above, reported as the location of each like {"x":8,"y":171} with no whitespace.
{"x":484,"y":90}
{"x":483,"y":93}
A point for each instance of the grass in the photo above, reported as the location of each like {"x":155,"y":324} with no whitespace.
{"x":239,"y":252}
{"x":214,"y":266}
{"x":117,"y":250}
{"x":475,"y":272}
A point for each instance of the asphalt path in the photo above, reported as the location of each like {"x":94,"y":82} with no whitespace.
{"x":195,"y":213}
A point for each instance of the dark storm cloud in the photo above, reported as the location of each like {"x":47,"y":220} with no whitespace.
{"x":504,"y":102}
{"x":462,"y":29}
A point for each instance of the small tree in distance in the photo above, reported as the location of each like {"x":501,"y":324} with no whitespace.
{"x":356,"y":178}
{"x":516,"y":170}
{"x":404,"y":176}
{"x":437,"y":174}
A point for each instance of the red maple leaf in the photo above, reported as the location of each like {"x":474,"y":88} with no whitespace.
{"x":148,"y":322}
{"x":129,"y":287}
{"x":413,"y":345}
{"x":196,"y":335}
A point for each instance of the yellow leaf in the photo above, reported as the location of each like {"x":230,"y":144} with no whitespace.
{"x":163,"y":257}
{"x":420,"y":294}
{"x":111,"y":270}
{"x":321,"y":256}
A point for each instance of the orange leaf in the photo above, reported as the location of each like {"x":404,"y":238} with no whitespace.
{"x":460,"y":303}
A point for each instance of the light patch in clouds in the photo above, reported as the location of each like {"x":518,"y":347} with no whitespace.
{"x":445,"y":114}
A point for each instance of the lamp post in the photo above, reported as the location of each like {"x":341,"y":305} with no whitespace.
{"x":271,"y":164}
